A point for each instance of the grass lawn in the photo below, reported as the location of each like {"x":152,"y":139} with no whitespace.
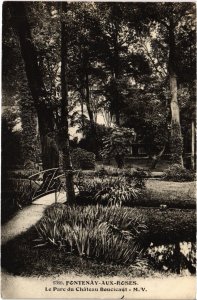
{"x":21,"y":258}
{"x":170,"y":225}
{"x":173,"y":194}
{"x":171,"y":189}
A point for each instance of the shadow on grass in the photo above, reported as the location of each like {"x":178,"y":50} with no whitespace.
{"x":20,"y":257}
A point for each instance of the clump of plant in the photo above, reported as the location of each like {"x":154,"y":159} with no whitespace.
{"x":117,"y":191}
{"x":137,"y":176}
{"x":117,"y":143}
{"x":82,"y":159}
{"x":106,"y":234}
{"x":110,"y":170}
{"x":22,"y":173}
{"x":15,"y":195}
{"x":102,"y":172}
{"x":173,"y":257}
{"x":108,"y":190}
{"x":178,"y":173}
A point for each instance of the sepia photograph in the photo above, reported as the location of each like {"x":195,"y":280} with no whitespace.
{"x":98,"y":150}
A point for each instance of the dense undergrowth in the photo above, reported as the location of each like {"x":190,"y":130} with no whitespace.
{"x":178,"y":173}
{"x":109,"y":234}
{"x":15,"y":194}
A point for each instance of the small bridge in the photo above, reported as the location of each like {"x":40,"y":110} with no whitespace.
{"x":50,"y":186}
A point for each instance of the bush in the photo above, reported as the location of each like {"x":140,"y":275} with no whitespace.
{"x":170,"y":257}
{"x":177,"y":173}
{"x":116,"y":144}
{"x":138,"y":176}
{"x":108,"y":170}
{"x":22,"y":174}
{"x":107,"y":190}
{"x":82,"y":159}
{"x":103,"y":233}
{"x":15,"y":194}
{"x":102,"y":172}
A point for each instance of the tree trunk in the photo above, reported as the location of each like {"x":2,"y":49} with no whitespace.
{"x":156,"y":158}
{"x":35,"y":82}
{"x":82,"y":116}
{"x":176,"y":135}
{"x":116,"y":96}
{"x":193,"y":146}
{"x":90,"y":114}
{"x":120,"y":161}
{"x":116,"y":67}
{"x":87,"y":100}
{"x":177,"y":256}
{"x":64,"y":134}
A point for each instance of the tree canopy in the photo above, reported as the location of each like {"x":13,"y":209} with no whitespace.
{"x":130,"y":64}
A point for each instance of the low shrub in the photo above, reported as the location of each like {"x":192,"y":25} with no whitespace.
{"x":109,"y":170}
{"x":113,"y":171}
{"x":108,"y":190}
{"x":178,"y":173}
{"x":82,"y":159}
{"x":16,"y":193}
{"x":173,"y":257}
{"x":138,"y":175}
{"x":22,"y":173}
{"x":107,"y":234}
{"x":102,"y":172}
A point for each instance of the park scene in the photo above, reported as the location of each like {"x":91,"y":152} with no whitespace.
{"x":98,"y":139}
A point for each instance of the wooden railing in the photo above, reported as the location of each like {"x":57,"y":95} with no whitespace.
{"x":47,"y":181}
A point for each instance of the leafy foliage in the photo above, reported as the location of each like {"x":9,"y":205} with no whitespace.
{"x":16,"y":193}
{"x":117,"y":62}
{"x":106,"y":234}
{"x":30,"y":143}
{"x":117,"y":144}
{"x":88,"y":142}
{"x":83,"y":159}
{"x":11,"y":141}
{"x":138,"y":176}
{"x":178,"y":173}
{"x":173,"y":257}
{"x":116,"y":191}
{"x":108,"y":190}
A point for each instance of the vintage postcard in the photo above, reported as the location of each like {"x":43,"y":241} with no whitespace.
{"x":98,"y":150}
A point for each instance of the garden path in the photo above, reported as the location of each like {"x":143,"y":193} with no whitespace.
{"x":27,"y":217}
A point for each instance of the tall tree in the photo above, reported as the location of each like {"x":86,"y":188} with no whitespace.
{"x":15,"y":90}
{"x":115,"y":49}
{"x":176,"y":135}
{"x":86,"y":72}
{"x":63,"y":130}
{"x":170,"y":20}
{"x":50,"y":157}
